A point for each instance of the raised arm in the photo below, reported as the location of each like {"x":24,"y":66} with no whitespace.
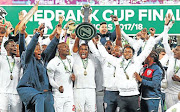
{"x":130,"y":40}
{"x":166,"y":29}
{"x":148,"y":48}
{"x":53,"y":44}
{"x":118,"y":31}
{"x":32,"y":45}
{"x":30,"y":48}
{"x":22,"y":46}
{"x":95,"y":51}
{"x":165,"y":36}
{"x":166,"y":45}
{"x":10,"y":29}
{"x":76,"y":45}
{"x":50,"y":48}
{"x":167,"y":26}
{"x":152,"y":41}
{"x":106,"y":55}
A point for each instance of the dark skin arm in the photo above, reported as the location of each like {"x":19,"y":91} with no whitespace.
{"x":22,"y":46}
{"x":76,"y":45}
{"x":118,"y":32}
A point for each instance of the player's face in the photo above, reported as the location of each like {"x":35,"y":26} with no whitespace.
{"x":63,"y":49}
{"x":116,"y":52}
{"x":103,"y":29}
{"x":109,"y":47}
{"x":1,"y":36}
{"x":83,"y":51}
{"x":37,"y":52}
{"x":128,"y":53}
{"x":161,"y":55}
{"x":12,"y":48}
{"x":177,"y":52}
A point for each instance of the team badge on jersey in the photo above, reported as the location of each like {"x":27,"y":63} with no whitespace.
{"x":148,"y":73}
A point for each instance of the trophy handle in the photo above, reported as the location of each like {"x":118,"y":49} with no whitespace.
{"x":26,"y":19}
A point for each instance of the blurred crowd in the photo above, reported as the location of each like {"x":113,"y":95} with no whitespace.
{"x":91,"y":2}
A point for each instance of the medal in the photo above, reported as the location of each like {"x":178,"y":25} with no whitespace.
{"x":85,"y":72}
{"x":85,"y":63}
{"x":127,"y":76}
{"x":11,"y":77}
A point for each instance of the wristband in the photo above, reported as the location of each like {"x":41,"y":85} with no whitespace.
{"x":116,"y":22}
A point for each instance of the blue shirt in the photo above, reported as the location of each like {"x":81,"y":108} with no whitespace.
{"x":151,"y":81}
{"x":108,"y":36}
{"x":34,"y":79}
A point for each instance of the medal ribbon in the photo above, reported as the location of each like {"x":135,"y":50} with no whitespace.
{"x":85,"y":63}
{"x":65,"y":67}
{"x":144,"y":45}
{"x":11,"y":69}
{"x":114,"y":68}
{"x":126,"y":68}
{"x":176,"y":70}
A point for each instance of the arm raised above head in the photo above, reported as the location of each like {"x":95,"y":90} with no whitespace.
{"x":76,"y":45}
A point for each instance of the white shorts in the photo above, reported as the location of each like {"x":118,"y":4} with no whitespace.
{"x":10,"y":103}
{"x":85,"y":100}
{"x":64,"y":104}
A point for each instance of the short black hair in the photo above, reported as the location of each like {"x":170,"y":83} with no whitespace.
{"x":128,"y":46}
{"x":84,"y":44}
{"x":102,"y":23}
{"x":61,"y":43}
{"x":7,"y":42}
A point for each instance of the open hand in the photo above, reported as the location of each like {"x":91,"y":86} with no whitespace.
{"x":41,"y":27}
{"x":144,"y":33}
{"x":59,"y":29}
{"x":168,"y":18}
{"x":114,"y":18}
{"x":137,"y":76}
{"x":175,"y":78}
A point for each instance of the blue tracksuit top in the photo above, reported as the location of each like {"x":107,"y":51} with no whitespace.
{"x":35,"y":78}
{"x":151,"y":82}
